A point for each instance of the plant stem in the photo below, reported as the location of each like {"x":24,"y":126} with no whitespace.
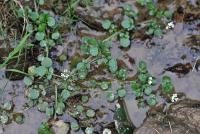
{"x":56,"y":100}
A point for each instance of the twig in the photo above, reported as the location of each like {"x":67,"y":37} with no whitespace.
{"x":113,"y":35}
{"x":170,"y":127}
{"x":157,"y":131}
{"x":56,"y":100}
{"x":24,"y":16}
{"x":187,"y":131}
{"x":195,"y":63}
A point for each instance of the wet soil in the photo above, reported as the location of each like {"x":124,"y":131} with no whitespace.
{"x":174,"y":55}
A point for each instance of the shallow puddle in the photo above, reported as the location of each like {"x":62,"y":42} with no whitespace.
{"x":174,"y":55}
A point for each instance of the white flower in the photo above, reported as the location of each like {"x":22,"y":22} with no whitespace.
{"x":65,"y":75}
{"x":107,"y":131}
{"x":174,"y":98}
{"x":170,"y":25}
{"x":118,"y":105}
{"x":150,"y":80}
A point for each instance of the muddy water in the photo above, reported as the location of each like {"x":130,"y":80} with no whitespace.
{"x":166,"y":53}
{"x":166,"y":56}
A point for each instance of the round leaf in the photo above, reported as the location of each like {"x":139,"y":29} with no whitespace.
{"x":121,"y":92}
{"x":106,"y":24}
{"x":40,"y":71}
{"x":55,"y":35}
{"x":51,"y":21}
{"x":90,"y":113}
{"x":39,"y":36}
{"x":113,"y":65}
{"x":65,"y":94}
{"x":46,"y":62}
{"x":94,"y":50}
{"x":33,"y":94}
{"x":28,"y":81}
{"x":74,"y":126}
{"x":125,"y":42}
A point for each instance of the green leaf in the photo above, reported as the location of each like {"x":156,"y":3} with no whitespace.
{"x":82,"y":69}
{"x":19,"y":119}
{"x":128,"y":24}
{"x":143,"y":78}
{"x":106,"y":24}
{"x":60,"y":108}
{"x":39,"y":36}
{"x":89,"y":130}
{"x":125,"y":42}
{"x":42,"y":27}
{"x":122,"y":74}
{"x":167,"y":86}
{"x":41,"y":2}
{"x":74,"y":126}
{"x":79,"y":108}
{"x":142,"y":67}
{"x":158,"y":32}
{"x":46,"y":62}
{"x":141,"y":2}
{"x":45,"y":129}
{"x":121,"y":92}
{"x":17,"y":49}
{"x":33,"y":15}
{"x":90,"y":41}
{"x":147,"y":90}
{"x":49,"y":111}
{"x":4,"y":119}
{"x":50,"y":42}
{"x":28,"y":81}
{"x":43,"y":43}
{"x":33,"y":94}
{"x":90,"y":113}
{"x":104,"y":85}
{"x":65,"y":94}
{"x":94,"y":50}
{"x":8,"y":105}
{"x":29,"y":27}
{"x":134,"y":85}
{"x":84,"y":49}
{"x":51,"y":22}
{"x":62,"y":57}
{"x":84,"y":98}
{"x":42,"y":106}
{"x":151,"y":101}
{"x":168,"y":14}
{"x":113,"y":65}
{"x":136,"y":88}
{"x":55,"y":35}
{"x":41,"y":71}
{"x":110,"y":97}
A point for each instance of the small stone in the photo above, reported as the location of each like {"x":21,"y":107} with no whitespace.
{"x":1,"y":130}
{"x":60,"y":127}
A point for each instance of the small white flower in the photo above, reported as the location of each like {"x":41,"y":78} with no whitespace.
{"x":107,"y":131}
{"x":65,"y":75}
{"x":150,"y":80}
{"x":118,"y":105}
{"x":170,"y":25}
{"x":174,"y":98}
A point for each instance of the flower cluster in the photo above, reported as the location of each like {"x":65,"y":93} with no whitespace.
{"x":150,"y":80}
{"x":174,"y":98}
{"x":107,"y":131}
{"x":170,"y":25}
{"x":65,"y":75}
